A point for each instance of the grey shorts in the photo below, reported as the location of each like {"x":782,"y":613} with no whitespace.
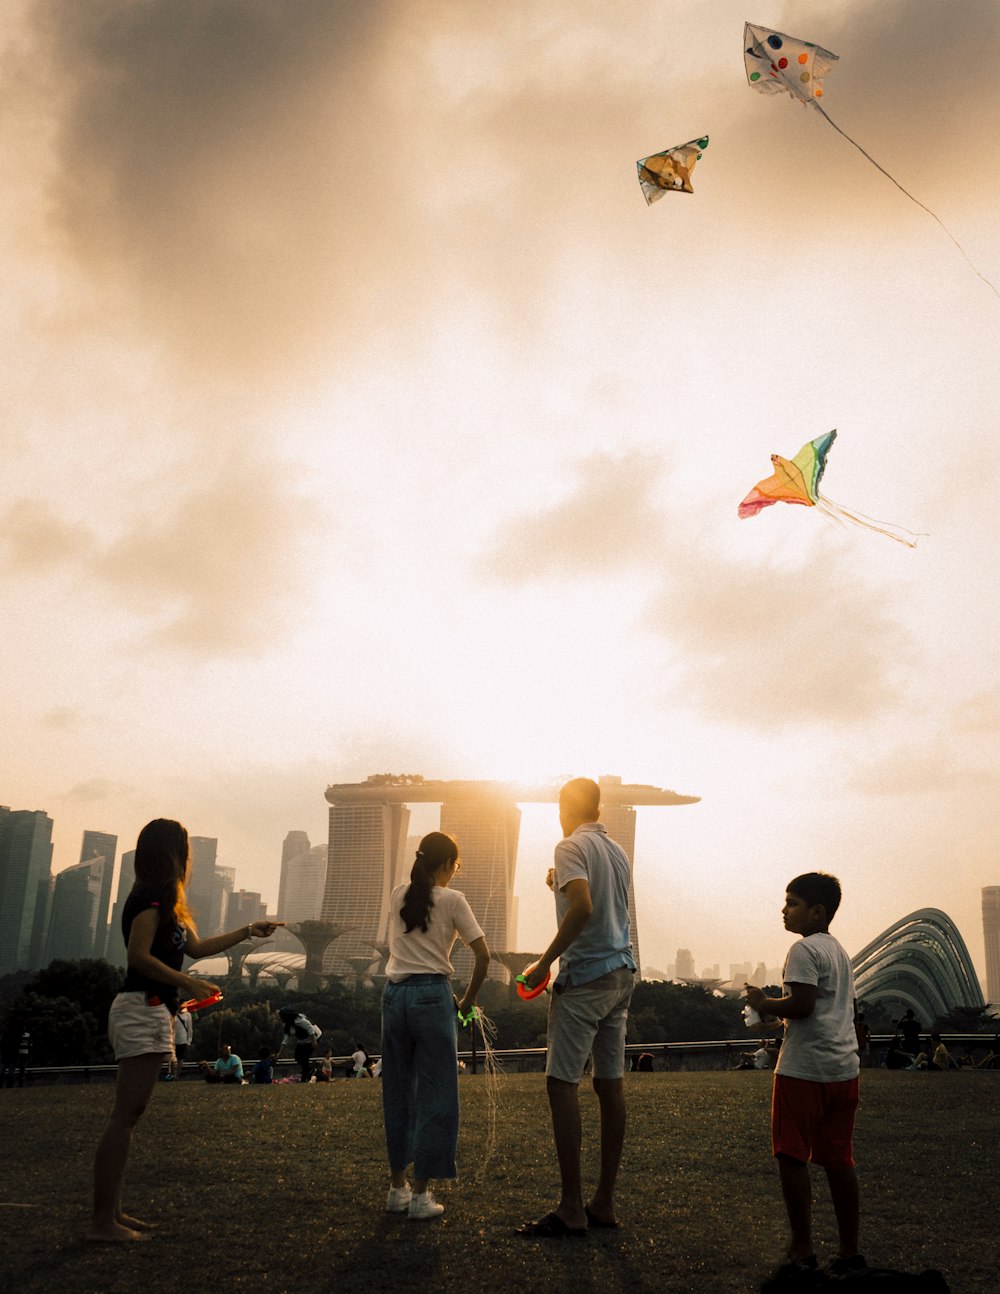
{"x":586,"y":1020}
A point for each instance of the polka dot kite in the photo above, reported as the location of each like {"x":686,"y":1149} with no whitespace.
{"x":773,"y":63}
{"x":670,"y":171}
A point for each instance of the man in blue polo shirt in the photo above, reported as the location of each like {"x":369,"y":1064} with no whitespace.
{"x":588,"y":1009}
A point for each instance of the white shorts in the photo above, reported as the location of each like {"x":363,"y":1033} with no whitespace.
{"x":586,"y":1020}
{"x":137,"y":1029}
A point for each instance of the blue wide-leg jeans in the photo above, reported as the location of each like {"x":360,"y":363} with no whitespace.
{"x":420,"y":1075}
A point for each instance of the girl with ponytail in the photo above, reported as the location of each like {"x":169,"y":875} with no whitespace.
{"x":419,"y":1035}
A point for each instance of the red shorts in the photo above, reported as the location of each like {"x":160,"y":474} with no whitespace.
{"x":814,"y":1122}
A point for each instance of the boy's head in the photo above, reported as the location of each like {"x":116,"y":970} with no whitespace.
{"x":811,"y":902}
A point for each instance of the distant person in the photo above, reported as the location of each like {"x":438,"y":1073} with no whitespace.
{"x":645,"y":1065}
{"x":939,"y":1059}
{"x":992,"y":1058}
{"x":227,"y":1069}
{"x":419,"y":1025}
{"x":23,"y":1053}
{"x":159,"y":931}
{"x":263,"y":1070}
{"x":9,"y":1046}
{"x":183,"y":1033}
{"x":588,"y":1009}
{"x":759,"y":1059}
{"x":815,"y":1095}
{"x":303,"y":1034}
{"x":896,"y":1057}
{"x":360,"y":1058}
{"x":864,"y":1036}
{"x":324,"y":1067}
{"x":909,"y":1029}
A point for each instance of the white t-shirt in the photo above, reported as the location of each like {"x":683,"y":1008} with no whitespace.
{"x":823,"y":1046}
{"x":428,"y":952}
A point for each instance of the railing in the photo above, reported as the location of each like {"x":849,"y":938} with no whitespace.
{"x":667,"y":1056}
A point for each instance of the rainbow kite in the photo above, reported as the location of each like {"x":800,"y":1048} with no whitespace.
{"x":797,"y":481}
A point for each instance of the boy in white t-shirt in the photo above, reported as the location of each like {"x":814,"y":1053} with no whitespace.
{"x":815,"y":1095}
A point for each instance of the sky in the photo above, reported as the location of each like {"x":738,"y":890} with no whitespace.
{"x":359,"y":416}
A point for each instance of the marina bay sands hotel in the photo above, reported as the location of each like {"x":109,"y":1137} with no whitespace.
{"x":367,"y":854}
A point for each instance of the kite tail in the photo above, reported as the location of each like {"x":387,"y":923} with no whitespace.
{"x":841,"y":515}
{"x":933,"y":216}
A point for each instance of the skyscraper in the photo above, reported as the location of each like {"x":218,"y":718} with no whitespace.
{"x":363,"y":858}
{"x":25,"y":868}
{"x":207,"y":885}
{"x":76,"y":901}
{"x":100,"y":844}
{"x":486,"y":825}
{"x":991,"y":938}
{"x":115,"y":952}
{"x":684,"y":964}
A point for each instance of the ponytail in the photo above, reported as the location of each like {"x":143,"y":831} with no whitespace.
{"x":436,"y":850}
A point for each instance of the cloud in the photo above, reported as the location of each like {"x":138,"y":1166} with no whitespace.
{"x":214,"y":169}
{"x":764,"y":646}
{"x":34,"y":538}
{"x":209,"y":561}
{"x":980,"y":714}
{"x":919,"y":770}
{"x":95,"y":789}
{"x":63,"y":718}
{"x":608,"y":521}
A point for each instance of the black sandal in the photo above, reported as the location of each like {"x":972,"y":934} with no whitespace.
{"x":551,"y":1227}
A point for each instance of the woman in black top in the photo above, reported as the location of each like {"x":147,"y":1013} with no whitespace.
{"x":159,"y":932}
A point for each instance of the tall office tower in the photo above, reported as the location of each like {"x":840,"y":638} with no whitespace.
{"x":991,"y":938}
{"x":486,"y":823}
{"x":295,"y":844}
{"x":303,"y":885}
{"x":100,"y":844}
{"x":363,"y":858}
{"x":227,"y":883}
{"x":25,"y":869}
{"x":126,"y":879}
{"x":685,"y":964}
{"x":207,"y":886}
{"x":619,"y":819}
{"x":243,"y":907}
{"x":739,"y":973}
{"x":76,"y":901}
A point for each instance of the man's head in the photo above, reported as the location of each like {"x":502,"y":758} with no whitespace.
{"x":579,"y":802}
{"x":811,"y":902}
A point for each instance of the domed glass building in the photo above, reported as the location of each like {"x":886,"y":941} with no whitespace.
{"x":922,"y":962}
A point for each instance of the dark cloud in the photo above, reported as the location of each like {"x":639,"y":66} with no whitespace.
{"x":217,"y":169}
{"x":608,"y":521}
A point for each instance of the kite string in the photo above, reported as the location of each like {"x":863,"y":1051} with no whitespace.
{"x":491,"y":1081}
{"x":819,"y":108}
{"x":836,"y":512}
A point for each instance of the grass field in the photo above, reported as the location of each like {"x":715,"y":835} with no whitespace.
{"x":283,"y":1189}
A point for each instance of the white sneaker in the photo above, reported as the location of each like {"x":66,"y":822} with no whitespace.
{"x":398,"y":1199}
{"x":425,"y":1206}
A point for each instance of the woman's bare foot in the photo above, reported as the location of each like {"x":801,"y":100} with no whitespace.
{"x":135,"y":1224}
{"x":114,"y":1234}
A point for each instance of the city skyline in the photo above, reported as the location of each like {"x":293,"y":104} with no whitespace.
{"x":57,"y":931}
{"x":305,"y":475}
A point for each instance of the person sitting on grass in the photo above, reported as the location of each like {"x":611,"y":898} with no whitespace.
{"x":227,"y":1069}
{"x":159,"y":932}
{"x":263,"y":1071}
{"x":815,"y":1096}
